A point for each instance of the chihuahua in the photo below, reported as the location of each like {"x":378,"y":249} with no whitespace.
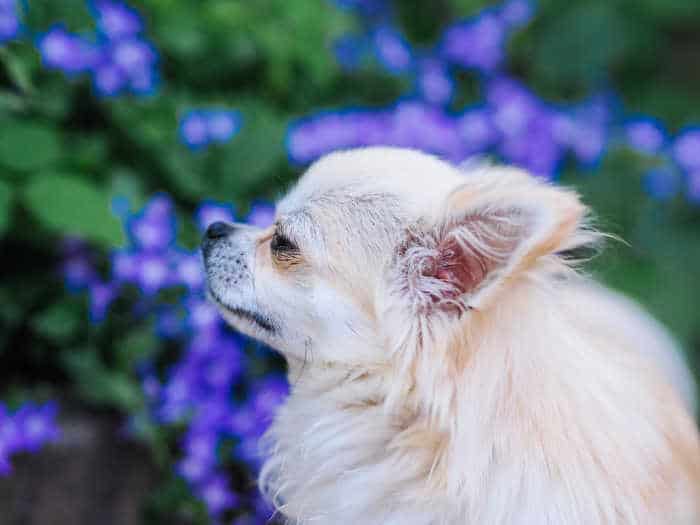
{"x":448,"y":363}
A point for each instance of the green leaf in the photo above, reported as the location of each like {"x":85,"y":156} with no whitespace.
{"x":58,"y":322}
{"x":5,"y":206}
{"x":581,"y":45}
{"x":28,"y":146}
{"x":139,"y":344}
{"x":68,"y":204}
{"x":98,"y":384}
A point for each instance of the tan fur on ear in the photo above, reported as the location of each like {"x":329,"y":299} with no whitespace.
{"x":560,"y":208}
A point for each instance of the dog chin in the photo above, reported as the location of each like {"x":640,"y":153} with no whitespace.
{"x":248,"y":321}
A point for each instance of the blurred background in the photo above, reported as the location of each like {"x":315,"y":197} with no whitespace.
{"x":126,"y":128}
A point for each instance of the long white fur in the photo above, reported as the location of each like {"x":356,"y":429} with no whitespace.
{"x":547,"y":400}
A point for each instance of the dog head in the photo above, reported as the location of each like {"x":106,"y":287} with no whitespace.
{"x":378,"y":253}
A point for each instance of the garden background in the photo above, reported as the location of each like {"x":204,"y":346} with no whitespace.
{"x":126,"y":128}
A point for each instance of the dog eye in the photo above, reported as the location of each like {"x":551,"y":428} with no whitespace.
{"x":282,"y":244}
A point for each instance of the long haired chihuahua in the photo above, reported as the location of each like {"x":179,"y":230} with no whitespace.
{"x":448,"y":364}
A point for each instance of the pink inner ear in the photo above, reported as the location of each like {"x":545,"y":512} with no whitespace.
{"x":469,"y":252}
{"x":453,"y":264}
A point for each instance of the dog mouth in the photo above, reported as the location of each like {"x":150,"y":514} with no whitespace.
{"x":255,"y":318}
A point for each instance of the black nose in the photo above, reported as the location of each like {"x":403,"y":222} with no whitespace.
{"x":217,"y":230}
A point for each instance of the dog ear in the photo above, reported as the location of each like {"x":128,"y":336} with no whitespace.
{"x":450,"y":267}
{"x":457,"y":260}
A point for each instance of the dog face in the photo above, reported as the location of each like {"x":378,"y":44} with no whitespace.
{"x":377,"y":251}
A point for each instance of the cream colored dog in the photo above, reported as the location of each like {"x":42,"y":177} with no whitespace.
{"x":448,"y":365}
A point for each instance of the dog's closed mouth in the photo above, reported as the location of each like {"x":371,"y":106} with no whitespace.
{"x":253,"y":317}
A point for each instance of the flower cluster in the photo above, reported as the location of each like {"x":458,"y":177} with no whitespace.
{"x":199,"y":128}
{"x":509,"y":120}
{"x":512,"y":123}
{"x":26,"y":430}
{"x":9,"y":21}
{"x":212,"y":388}
{"x":117,"y":56}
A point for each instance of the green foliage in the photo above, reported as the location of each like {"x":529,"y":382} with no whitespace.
{"x":71,"y":205}
{"x":26,"y":146}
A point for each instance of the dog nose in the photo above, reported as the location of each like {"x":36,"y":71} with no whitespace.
{"x":217,"y":230}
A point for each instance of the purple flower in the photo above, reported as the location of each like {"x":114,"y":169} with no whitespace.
{"x":589,"y":142}
{"x":189,"y":270}
{"x":133,"y":56}
{"x":78,"y":272}
{"x":37,"y":425}
{"x":196,"y":468}
{"x":152,"y":274}
{"x":686,"y":150}
{"x":268,"y":394}
{"x":392,"y":50}
{"x":154,"y":228}
{"x":9,"y":21}
{"x":116,"y":19}
{"x":28,"y":429}
{"x":476,"y":131}
{"x":662,"y":184}
{"x":222,"y":125}
{"x":198,"y":128}
{"x":242,"y":421}
{"x":434,"y":82}
{"x":210,"y":212}
{"x":193,"y":129}
{"x":109,"y":80}
{"x":101,"y":296}
{"x":475,"y":43}
{"x":645,"y":135}
{"x":261,"y":215}
{"x":68,"y":52}
{"x":124,"y":266}
{"x":170,"y":322}
{"x":202,"y":314}
{"x":693,"y":187}
{"x":513,"y":106}
{"x":517,"y":13}
{"x":217,"y":495}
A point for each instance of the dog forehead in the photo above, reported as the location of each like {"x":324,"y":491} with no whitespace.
{"x":416,"y":180}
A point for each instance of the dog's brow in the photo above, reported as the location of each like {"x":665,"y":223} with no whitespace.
{"x":298,"y":224}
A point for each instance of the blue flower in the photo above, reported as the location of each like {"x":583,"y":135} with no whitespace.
{"x":153,"y":229}
{"x":222,"y":125}
{"x":476,"y":43}
{"x":193,"y":129}
{"x":693,"y":187}
{"x":116,"y":19}
{"x":477,"y":131}
{"x":67,"y":52}
{"x":101,"y":297}
{"x":392,"y":50}
{"x":27,"y":430}
{"x":9,"y":21}
{"x":645,"y":135}
{"x":435,"y":84}
{"x":517,"y":13}
{"x":210,"y":212}
{"x":217,"y":495}
{"x":109,"y":80}
{"x":152,"y":273}
{"x":686,"y":150}
{"x":198,"y":128}
{"x":261,"y":214}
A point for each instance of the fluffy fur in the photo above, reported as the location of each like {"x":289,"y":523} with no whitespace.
{"x":448,"y":363}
